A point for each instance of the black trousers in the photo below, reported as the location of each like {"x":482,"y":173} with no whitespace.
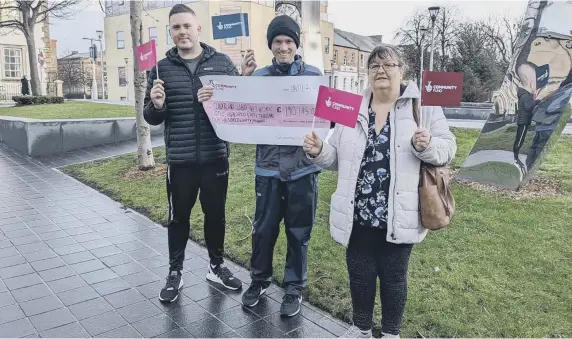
{"x":183,"y":187}
{"x":369,"y":256}
{"x":519,"y":140}
{"x":295,"y":202}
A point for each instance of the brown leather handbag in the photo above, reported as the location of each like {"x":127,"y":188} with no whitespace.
{"x":436,"y":201}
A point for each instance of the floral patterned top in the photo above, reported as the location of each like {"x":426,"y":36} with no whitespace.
{"x":372,"y":188}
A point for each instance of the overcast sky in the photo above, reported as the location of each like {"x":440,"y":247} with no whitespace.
{"x":367,"y":18}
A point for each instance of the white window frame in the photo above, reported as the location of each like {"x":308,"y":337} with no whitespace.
{"x":122,"y":40}
{"x":5,"y":52}
{"x":327,"y":45}
{"x":345,"y":60}
{"x":168,"y":35}
{"x":119,"y":76}
{"x":230,"y":41}
{"x":154,"y":36}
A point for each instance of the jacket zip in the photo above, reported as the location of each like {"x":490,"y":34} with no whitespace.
{"x":195,"y":99}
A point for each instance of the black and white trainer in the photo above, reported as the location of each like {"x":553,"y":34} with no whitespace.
{"x":251,"y":297}
{"x":170,"y":292}
{"x":221,"y":275}
{"x":291,"y":305}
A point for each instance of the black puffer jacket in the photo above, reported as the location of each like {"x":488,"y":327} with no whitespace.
{"x":189,"y":135}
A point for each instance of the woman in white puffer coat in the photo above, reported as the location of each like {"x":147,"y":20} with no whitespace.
{"x":374,"y":210}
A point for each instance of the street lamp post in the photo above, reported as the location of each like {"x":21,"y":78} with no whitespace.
{"x":422,"y":51}
{"x":100,"y":35}
{"x":127,"y":77}
{"x":94,"y":81}
{"x":83,"y":78}
{"x":433,"y":11}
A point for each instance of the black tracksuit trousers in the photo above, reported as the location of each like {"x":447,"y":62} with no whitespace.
{"x":295,"y":202}
{"x":183,"y":186}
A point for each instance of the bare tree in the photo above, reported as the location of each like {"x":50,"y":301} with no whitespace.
{"x":25,"y":14}
{"x":447,"y":29}
{"x":70,"y":72}
{"x":144,"y":147}
{"x":412,"y":35}
{"x":502,"y":34}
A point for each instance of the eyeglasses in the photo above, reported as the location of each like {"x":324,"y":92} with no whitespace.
{"x":386,"y":67}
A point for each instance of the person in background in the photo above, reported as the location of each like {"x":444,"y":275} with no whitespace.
{"x":197,"y":160}
{"x":526,"y":103}
{"x":374,"y":210}
{"x":25,"y":86}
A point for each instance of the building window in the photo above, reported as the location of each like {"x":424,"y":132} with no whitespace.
{"x":153,"y":35}
{"x":168,"y":35}
{"x":327,"y":46}
{"x":345,"y":60}
{"x":230,"y":41}
{"x":361,"y":61}
{"x":344,"y":84}
{"x":13,"y":63}
{"x":361,"y":85}
{"x":336,"y":55}
{"x":336,"y":81}
{"x":352,"y":84}
{"x":120,"y":40}
{"x":353,"y":58}
{"x":122,"y":76}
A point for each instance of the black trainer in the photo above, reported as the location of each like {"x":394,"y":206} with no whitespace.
{"x":170,"y":292}
{"x":220,"y":274}
{"x":291,"y":305}
{"x":251,"y":297}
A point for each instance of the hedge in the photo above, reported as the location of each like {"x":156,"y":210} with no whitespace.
{"x":37,"y":100}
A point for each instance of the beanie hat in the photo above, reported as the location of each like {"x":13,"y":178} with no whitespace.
{"x":283,"y":24}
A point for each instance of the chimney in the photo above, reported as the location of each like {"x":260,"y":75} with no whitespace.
{"x":73,"y":52}
{"x":377,"y":38}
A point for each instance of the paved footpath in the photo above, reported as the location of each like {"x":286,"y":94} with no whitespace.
{"x":74,"y":263}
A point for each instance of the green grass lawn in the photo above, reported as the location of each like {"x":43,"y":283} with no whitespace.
{"x":502,"y":270}
{"x":69,"y":110}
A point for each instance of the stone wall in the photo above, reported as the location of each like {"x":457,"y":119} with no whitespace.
{"x":35,"y":137}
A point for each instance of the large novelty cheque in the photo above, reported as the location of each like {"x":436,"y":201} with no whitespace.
{"x":264,"y":110}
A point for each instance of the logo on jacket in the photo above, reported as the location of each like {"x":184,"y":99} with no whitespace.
{"x":337,"y":106}
{"x":220,"y":87}
{"x":438,"y":88}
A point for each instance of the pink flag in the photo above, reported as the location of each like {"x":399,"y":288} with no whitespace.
{"x":146,"y":56}
{"x":338,"y":106}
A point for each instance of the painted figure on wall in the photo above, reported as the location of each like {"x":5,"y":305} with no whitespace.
{"x":531,"y":107}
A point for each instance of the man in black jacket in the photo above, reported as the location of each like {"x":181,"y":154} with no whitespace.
{"x":197,"y":159}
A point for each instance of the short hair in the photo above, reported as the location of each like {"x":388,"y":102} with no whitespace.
{"x":180,"y":8}
{"x":387,"y":51}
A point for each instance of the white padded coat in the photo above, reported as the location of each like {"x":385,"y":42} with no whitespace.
{"x":344,"y":150}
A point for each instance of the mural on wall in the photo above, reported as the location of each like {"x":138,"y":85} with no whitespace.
{"x":532,"y":106}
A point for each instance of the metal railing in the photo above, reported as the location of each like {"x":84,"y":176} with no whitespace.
{"x":9,"y":89}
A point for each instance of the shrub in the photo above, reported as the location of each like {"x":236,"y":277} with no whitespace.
{"x":36,"y":100}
